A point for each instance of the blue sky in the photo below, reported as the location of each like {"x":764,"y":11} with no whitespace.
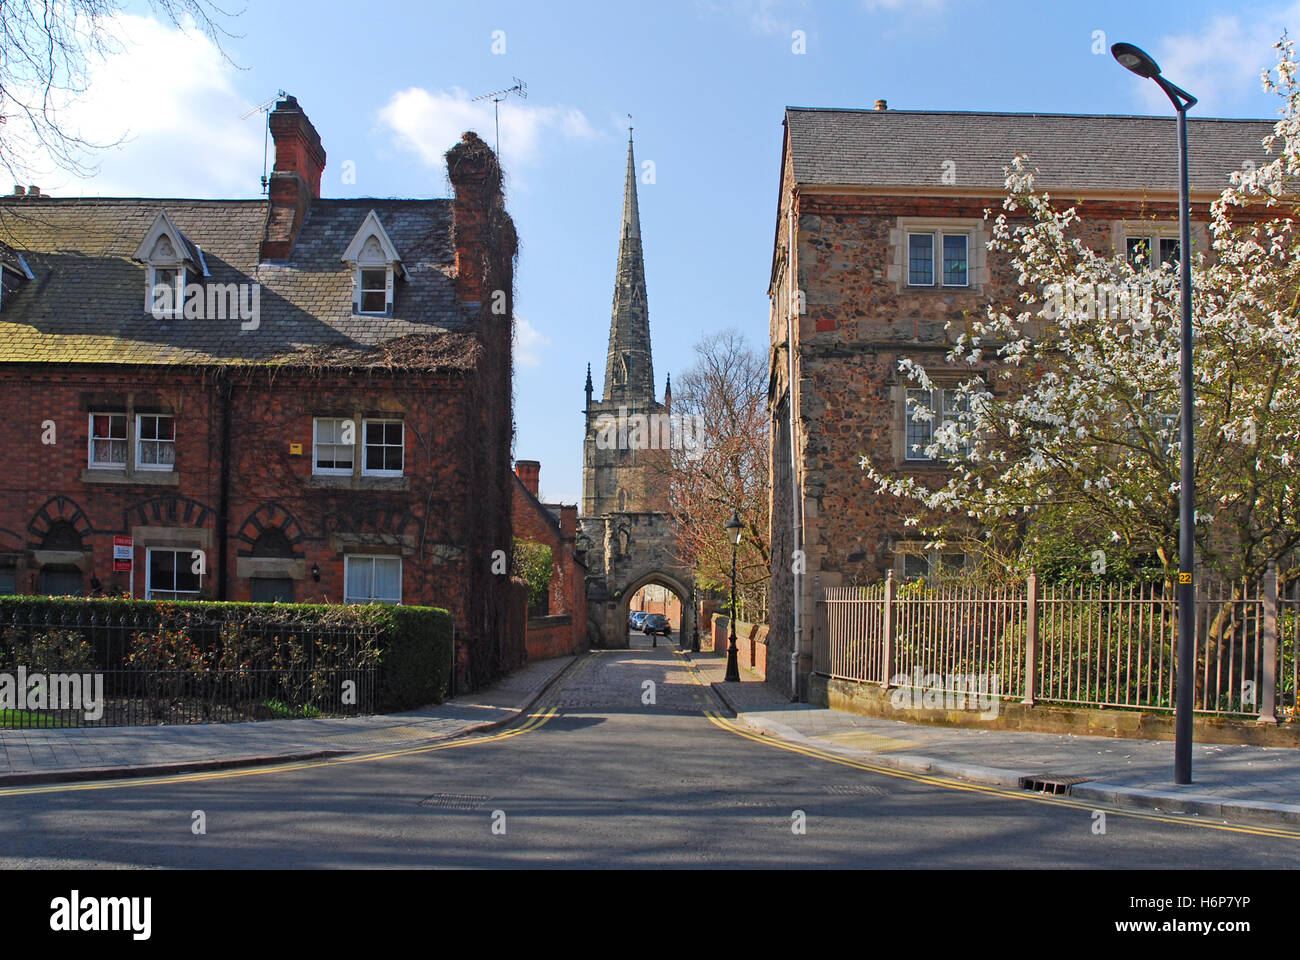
{"x":389,"y":86}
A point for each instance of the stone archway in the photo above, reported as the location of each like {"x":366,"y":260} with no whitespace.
{"x":624,"y":552}
{"x":661,"y":578}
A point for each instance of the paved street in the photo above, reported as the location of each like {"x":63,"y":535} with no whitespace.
{"x":599,"y":776}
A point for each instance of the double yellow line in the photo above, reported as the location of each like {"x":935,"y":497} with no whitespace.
{"x":531,"y":722}
{"x":1254,"y":830}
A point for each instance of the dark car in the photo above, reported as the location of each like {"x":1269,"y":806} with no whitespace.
{"x":656,"y":623}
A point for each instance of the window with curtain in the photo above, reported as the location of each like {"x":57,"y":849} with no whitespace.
{"x":372,"y":579}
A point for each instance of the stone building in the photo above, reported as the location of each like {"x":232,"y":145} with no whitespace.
{"x":290,"y":398}
{"x":880,"y":223}
{"x":627,"y":539}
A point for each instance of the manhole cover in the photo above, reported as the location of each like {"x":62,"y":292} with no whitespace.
{"x":453,"y":801}
{"x":857,"y":790}
{"x":1051,"y":782}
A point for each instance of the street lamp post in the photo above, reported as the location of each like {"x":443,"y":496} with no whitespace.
{"x":733,"y":662}
{"x":1139,"y":62}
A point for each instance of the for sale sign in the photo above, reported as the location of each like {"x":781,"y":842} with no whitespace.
{"x":123,"y":551}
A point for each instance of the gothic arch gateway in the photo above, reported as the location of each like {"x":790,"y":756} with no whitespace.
{"x":624,"y":530}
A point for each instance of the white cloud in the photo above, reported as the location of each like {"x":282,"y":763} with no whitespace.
{"x":529,"y":342}
{"x":430,"y":122}
{"x":170,"y":96}
{"x":766,"y":17}
{"x":1221,"y":64}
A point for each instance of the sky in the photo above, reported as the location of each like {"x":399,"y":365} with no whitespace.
{"x":390,"y":87}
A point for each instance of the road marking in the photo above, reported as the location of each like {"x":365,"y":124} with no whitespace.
{"x":726,"y":724}
{"x":533,"y":722}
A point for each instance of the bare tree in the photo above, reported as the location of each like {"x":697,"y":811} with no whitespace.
{"x":47,"y":51}
{"x":725,"y":394}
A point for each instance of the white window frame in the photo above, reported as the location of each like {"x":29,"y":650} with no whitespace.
{"x":182,"y":555}
{"x":365,"y":447}
{"x":139,"y":441}
{"x":936,"y":236}
{"x":94,"y":464}
{"x":1154,"y":240}
{"x":350,"y":558}
{"x":360,"y":272}
{"x":320,"y":471}
{"x":178,"y":295}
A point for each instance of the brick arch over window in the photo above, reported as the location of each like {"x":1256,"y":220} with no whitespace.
{"x":10,"y":541}
{"x":55,"y":510}
{"x":62,"y":535}
{"x":268,"y":517}
{"x":170,"y":510}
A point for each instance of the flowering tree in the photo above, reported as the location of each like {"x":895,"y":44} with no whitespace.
{"x":726,"y":390}
{"x":1062,"y":427}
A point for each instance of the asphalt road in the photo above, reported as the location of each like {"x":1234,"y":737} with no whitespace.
{"x":599,"y":777}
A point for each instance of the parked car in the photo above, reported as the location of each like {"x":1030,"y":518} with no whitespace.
{"x":656,"y":623}
{"x":634,"y":621}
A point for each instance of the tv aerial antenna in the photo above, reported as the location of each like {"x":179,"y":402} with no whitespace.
{"x":266,"y":135}
{"x":520,"y":89}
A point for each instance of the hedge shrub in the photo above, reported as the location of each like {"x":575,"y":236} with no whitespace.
{"x":414,"y":643}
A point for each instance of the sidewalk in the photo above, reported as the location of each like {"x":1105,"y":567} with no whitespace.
{"x":1233,"y":783}
{"x":49,"y":755}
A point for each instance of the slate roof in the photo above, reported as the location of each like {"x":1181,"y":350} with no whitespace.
{"x":87,"y":301}
{"x":907,"y":148}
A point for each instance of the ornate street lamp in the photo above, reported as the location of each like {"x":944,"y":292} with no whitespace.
{"x":1139,"y":62}
{"x":733,"y":534}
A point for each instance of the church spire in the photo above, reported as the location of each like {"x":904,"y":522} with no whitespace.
{"x":629,"y":370}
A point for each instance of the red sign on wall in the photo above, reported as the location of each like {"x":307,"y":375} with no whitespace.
{"x":123,"y":552}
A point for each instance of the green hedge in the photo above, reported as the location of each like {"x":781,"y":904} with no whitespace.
{"x":414,"y":642}
{"x":415,"y":665}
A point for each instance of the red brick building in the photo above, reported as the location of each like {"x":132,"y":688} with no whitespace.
{"x":880,"y":242}
{"x":292,"y":398}
{"x":563,"y":629}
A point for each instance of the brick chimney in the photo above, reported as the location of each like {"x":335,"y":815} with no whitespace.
{"x":483,"y":234}
{"x":528,"y":472}
{"x":568,"y":521}
{"x":295,"y":179}
{"x":881,"y":105}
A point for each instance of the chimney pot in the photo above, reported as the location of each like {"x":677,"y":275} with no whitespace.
{"x":18,"y":190}
{"x":33,"y":191}
{"x":881,"y":105}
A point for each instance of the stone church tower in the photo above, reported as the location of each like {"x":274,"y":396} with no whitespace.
{"x":624,"y":527}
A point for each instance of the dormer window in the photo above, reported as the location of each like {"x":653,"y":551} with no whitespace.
{"x":166,"y":292}
{"x":170,"y":258}
{"x":375,"y":285}
{"x":13,"y":271}
{"x":375,"y":264}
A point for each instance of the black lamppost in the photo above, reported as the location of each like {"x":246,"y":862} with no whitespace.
{"x":1134,"y":59}
{"x":733,"y":663}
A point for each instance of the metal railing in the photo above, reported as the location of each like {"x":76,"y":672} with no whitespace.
{"x":1080,"y":644}
{"x":89,"y":668}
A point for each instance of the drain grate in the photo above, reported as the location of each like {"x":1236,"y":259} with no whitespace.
{"x":857,"y":790}
{"x":1051,"y":783}
{"x":453,"y":801}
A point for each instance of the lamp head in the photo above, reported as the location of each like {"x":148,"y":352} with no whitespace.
{"x":734,"y":528}
{"x":1135,"y":59}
